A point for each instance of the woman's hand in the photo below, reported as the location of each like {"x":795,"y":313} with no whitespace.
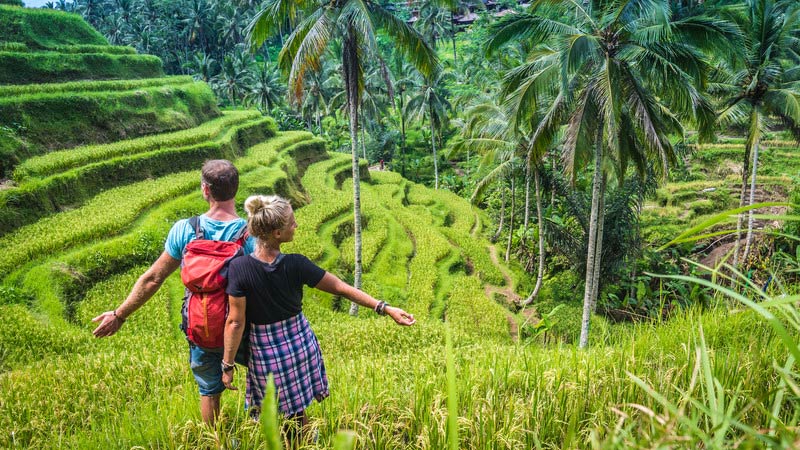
{"x":400,"y":317}
{"x":227,"y":380}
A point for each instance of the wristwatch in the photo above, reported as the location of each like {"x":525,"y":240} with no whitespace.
{"x":227,"y":367}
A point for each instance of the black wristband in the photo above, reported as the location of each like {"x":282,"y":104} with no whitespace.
{"x":121,"y":320}
{"x":227,"y":367}
{"x":380,"y":308}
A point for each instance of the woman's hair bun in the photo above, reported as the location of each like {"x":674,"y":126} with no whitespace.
{"x":266,"y":213}
{"x":254,"y":204}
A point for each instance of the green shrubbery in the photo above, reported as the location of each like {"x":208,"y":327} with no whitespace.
{"x":46,"y":28}
{"x":104,"y":215}
{"x":40,"y":197}
{"x":54,"y":67}
{"x":73,"y":273}
{"x":91,"y":86}
{"x":59,"y":161}
{"x":61,"y":120}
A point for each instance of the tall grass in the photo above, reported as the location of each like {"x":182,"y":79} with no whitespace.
{"x":462,"y":383}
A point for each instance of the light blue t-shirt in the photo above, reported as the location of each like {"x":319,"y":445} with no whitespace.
{"x":182,"y":232}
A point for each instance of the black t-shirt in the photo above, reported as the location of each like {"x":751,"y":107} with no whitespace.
{"x":274,"y":292}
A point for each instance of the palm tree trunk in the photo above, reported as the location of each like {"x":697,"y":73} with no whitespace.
{"x":402,"y":137}
{"x":527,"y":216}
{"x":350,"y":66}
{"x":502,"y":214}
{"x":591,"y":252}
{"x":743,"y":193}
{"x":453,"y":36}
{"x":511,"y":218}
{"x":433,"y":146}
{"x":599,"y":246}
{"x":749,"y":241}
{"x":363,"y":145}
{"x":540,"y":269}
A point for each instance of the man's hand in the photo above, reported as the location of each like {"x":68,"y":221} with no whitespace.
{"x":400,"y":317}
{"x":109,"y":324}
{"x":227,"y":380}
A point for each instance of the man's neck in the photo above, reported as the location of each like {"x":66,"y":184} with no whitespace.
{"x":222,"y":211}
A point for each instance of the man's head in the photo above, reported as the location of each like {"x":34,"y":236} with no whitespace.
{"x":222,"y":179}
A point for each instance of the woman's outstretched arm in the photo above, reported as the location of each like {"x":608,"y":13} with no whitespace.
{"x":332,"y":284}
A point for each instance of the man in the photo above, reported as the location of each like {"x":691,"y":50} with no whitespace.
{"x":219,"y":183}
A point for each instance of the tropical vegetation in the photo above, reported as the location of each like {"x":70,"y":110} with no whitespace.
{"x":591,"y":206}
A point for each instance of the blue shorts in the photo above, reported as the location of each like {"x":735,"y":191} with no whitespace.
{"x":206,"y":366}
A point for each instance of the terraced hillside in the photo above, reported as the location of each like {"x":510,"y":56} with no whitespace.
{"x":84,"y":210}
{"x":100,"y":163}
{"x":711,"y":183}
{"x":62,"y":85}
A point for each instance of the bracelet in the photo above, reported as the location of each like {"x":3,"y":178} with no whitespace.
{"x":380,"y":308}
{"x":121,"y":320}
{"x":227,"y":367}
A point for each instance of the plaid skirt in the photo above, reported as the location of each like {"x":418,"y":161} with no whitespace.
{"x":288,"y":350}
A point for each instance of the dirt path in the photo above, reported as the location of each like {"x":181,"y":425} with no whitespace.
{"x":512,"y":301}
{"x":722,"y":247}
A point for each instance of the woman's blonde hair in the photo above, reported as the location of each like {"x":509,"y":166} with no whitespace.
{"x":266,"y":213}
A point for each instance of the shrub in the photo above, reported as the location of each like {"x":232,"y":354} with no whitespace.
{"x":59,"y":161}
{"x":91,"y":86}
{"x":38,"y":198}
{"x":44,"y":28}
{"x":31,"y":339}
{"x":52,"y":67}
{"x":62,"y":120}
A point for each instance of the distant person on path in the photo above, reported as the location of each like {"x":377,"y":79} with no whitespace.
{"x":382,"y":164}
{"x":266,"y":291}
{"x":219,"y":183}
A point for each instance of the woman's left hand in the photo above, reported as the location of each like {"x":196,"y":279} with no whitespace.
{"x":400,"y":317}
{"x":227,"y":380}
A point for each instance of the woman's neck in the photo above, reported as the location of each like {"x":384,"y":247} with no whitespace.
{"x":268,"y":251}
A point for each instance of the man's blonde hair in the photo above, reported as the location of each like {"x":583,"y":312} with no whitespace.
{"x":265,"y":214}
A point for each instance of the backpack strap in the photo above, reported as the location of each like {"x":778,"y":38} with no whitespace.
{"x":194,"y":222}
{"x":241,"y":236}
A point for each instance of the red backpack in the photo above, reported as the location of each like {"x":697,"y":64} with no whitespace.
{"x":204,"y":272}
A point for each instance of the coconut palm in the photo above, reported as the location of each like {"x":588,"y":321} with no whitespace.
{"x":355,"y":23}
{"x":232,"y":80}
{"x":267,"y":89}
{"x":488,"y":129}
{"x":623,"y":76}
{"x":762,"y":87}
{"x":431,"y":102}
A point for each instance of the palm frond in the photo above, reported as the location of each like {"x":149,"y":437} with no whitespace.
{"x":408,"y":41}
{"x":307,"y":49}
{"x":580,"y":131}
{"x":495,"y":174}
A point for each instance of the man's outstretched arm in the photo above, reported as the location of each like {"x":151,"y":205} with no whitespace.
{"x":146,"y":286}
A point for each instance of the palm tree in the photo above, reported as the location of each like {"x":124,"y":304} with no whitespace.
{"x":232,"y":80}
{"x":267,"y":89}
{"x":763,"y":85}
{"x":319,"y":87}
{"x":431,"y":22}
{"x":488,"y":128}
{"x":202,"y":67}
{"x":431,"y":102}
{"x":355,"y":23}
{"x":622,"y":75}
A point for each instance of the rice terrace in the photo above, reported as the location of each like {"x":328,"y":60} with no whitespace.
{"x":591,"y":208}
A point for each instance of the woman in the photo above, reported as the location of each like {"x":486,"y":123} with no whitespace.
{"x":268,"y":285}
